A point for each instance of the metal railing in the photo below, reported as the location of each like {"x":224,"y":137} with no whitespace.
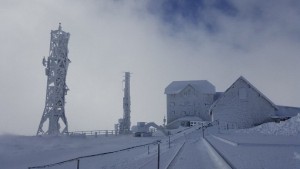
{"x":95,"y":133}
{"x":171,"y":138}
{"x":157,"y":142}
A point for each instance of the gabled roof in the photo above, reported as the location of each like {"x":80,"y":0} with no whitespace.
{"x":203,"y":86}
{"x":251,"y":86}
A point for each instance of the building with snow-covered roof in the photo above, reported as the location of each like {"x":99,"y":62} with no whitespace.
{"x":202,"y":86}
{"x":188,"y":99}
{"x":242,"y":106}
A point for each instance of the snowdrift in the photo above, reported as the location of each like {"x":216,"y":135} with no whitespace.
{"x":290,"y":127}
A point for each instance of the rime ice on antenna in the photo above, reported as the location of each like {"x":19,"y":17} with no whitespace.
{"x":56,"y":72}
{"x":125,"y":123}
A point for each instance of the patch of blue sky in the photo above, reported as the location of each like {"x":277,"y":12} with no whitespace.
{"x":178,"y":13}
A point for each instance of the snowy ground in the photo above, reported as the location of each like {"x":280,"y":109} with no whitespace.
{"x":243,"y":150}
{"x":21,"y":152}
{"x":270,"y":145}
{"x":24,"y":151}
{"x":289,"y":127}
{"x":258,"y":151}
{"x":196,"y":154}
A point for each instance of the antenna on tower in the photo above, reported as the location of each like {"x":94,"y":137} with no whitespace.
{"x":59,"y":27}
{"x":124,"y":123}
{"x":56,"y":71}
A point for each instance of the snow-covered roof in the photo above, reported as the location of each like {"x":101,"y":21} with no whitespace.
{"x":262,"y":95}
{"x":253,"y":87}
{"x":203,"y":86}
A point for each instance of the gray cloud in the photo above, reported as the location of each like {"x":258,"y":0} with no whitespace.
{"x":110,"y":37}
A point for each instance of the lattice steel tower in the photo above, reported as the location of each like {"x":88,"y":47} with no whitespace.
{"x":56,"y":72}
{"x":125,"y":123}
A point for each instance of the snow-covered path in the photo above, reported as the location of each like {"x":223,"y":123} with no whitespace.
{"x":188,"y":151}
{"x":195,"y":154}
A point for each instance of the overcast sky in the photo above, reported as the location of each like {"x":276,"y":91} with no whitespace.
{"x":159,"y":41}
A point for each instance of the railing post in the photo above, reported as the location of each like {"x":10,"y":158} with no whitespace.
{"x":158,"y":154}
{"x":218,"y":127}
{"x":202,"y":131}
{"x":78,"y":163}
{"x":148,"y":150}
{"x":169,"y":142}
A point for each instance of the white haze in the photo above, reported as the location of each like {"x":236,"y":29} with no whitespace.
{"x":111,"y":37}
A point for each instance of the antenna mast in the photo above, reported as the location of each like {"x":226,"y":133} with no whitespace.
{"x":125,"y":122}
{"x":56,"y":72}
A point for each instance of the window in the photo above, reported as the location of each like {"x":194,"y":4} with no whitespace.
{"x":243,"y":93}
{"x":187,"y":92}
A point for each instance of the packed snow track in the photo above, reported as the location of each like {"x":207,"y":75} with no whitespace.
{"x":196,"y":153}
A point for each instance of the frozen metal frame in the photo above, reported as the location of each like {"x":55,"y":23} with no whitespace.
{"x":56,"y":72}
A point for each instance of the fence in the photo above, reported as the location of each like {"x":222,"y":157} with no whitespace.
{"x":228,"y":126}
{"x":171,"y":138}
{"x":157,"y":142}
{"x":95,"y":133}
{"x":223,"y":127}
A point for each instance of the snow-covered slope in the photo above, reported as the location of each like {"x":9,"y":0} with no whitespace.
{"x":24,"y":151}
{"x":18,"y":152}
{"x":290,"y":127}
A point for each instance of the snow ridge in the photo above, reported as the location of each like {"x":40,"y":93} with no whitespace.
{"x":290,"y":127}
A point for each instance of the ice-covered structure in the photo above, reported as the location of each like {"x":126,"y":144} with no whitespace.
{"x":124,"y":123}
{"x":56,"y":72}
{"x":241,"y":106}
{"x":188,"y":99}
